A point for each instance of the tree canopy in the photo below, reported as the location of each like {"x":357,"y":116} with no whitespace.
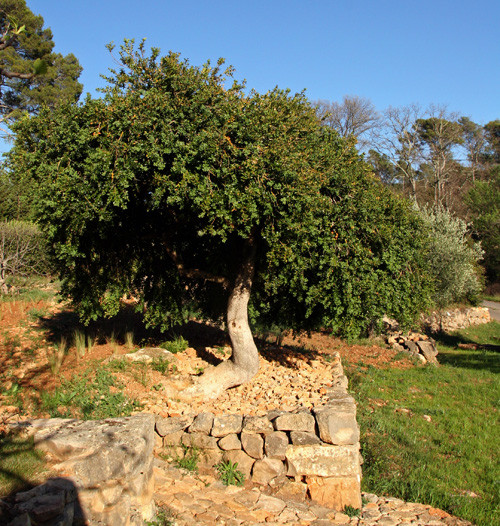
{"x":31,"y":74}
{"x":183,"y":188}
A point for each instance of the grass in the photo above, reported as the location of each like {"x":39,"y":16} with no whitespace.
{"x":179,"y":344}
{"x":190,"y":459}
{"x":88,"y":397}
{"x":56,"y":355}
{"x":21,"y":465}
{"x":449,"y":460}
{"x":229,"y":474}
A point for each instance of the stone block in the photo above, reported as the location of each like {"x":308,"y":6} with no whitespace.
{"x":304,"y":438}
{"x":264,"y":471}
{"x":173,"y":439}
{"x":323,"y":461}
{"x":230,"y":442}
{"x":337,"y":427}
{"x":292,"y":490}
{"x":275,"y":444}
{"x":429,"y":351}
{"x":226,"y":424}
{"x":257,"y":424}
{"x":335,"y":492}
{"x":253,"y":445}
{"x":295,"y":422}
{"x":202,"y":423}
{"x":199,"y":440}
{"x":167,"y":426}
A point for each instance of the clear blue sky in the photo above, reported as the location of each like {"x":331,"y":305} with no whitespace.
{"x":393,"y":52}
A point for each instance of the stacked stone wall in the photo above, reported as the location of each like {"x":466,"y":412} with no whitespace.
{"x":452,"y":320}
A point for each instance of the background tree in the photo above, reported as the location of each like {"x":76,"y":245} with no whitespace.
{"x":31,"y":74}
{"x":183,"y":189}
{"x":354,"y":117}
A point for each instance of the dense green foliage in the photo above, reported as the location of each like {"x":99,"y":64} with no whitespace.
{"x":453,"y":257}
{"x":429,"y":434}
{"x":157,"y":189}
{"x":483,"y":200}
{"x":31,"y":74}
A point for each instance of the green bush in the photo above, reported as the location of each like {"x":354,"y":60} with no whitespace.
{"x":453,"y":257}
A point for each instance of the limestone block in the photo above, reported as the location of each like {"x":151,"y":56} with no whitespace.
{"x":271,"y":504}
{"x":230,"y":442}
{"x":264,"y":471}
{"x":257,"y":424}
{"x":173,"y":439}
{"x":253,"y":445}
{"x":239,"y":457}
{"x":292,"y":490}
{"x":323,"y":461}
{"x":337,"y":427}
{"x":210,"y":457}
{"x":429,"y":351}
{"x":275,"y":444}
{"x":202,"y":423}
{"x":335,"y":492}
{"x":167,"y":426}
{"x":199,"y":440}
{"x":226,"y":424}
{"x":304,"y":438}
{"x":148,"y":354}
{"x":295,"y":422}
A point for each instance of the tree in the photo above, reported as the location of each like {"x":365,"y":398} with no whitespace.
{"x":355,"y":117}
{"x":31,"y":75}
{"x":398,"y":140}
{"x":474,"y":141}
{"x":180,"y":187}
{"x":439,"y":134}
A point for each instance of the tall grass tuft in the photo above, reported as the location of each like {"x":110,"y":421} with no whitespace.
{"x":56,"y":355}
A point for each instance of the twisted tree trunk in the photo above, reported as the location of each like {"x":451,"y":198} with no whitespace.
{"x":244,"y":362}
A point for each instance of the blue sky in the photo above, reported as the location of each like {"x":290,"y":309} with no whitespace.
{"x":392,"y":52}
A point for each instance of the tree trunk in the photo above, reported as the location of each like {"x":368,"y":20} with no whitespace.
{"x":244,"y":362}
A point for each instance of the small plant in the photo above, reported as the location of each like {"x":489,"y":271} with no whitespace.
{"x":164,"y":517}
{"x":141,"y":373}
{"x":350,"y":511}
{"x":160,"y":364}
{"x":80,"y":345}
{"x":175,"y":346}
{"x":190,"y":459}
{"x":229,"y":473}
{"x":56,"y":355}
{"x":35,"y":314}
{"x":129,"y":340}
{"x":198,"y":371}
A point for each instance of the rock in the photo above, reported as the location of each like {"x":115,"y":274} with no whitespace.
{"x":295,"y":422}
{"x":335,"y":427}
{"x":271,"y":504}
{"x":275,"y":444}
{"x":412,"y":347}
{"x":173,"y":439}
{"x":257,"y":424}
{"x":429,"y":351}
{"x":303,"y":438}
{"x":335,"y":492}
{"x":292,"y":490}
{"x":148,"y":354}
{"x":199,"y":440}
{"x":202,"y":423}
{"x":264,"y":471}
{"x":230,"y":442}
{"x":168,"y":426}
{"x":323,"y":461}
{"x":253,"y":445}
{"x":226,"y":424}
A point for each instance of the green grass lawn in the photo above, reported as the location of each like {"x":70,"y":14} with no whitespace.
{"x":431,"y":434}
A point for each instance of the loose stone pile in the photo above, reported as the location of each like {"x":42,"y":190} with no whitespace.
{"x":416,"y":345}
{"x":201,"y":499}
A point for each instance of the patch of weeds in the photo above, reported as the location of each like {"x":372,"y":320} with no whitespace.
{"x":36,"y":314}
{"x":129,"y":340}
{"x":400,"y":356}
{"x":220,"y":350}
{"x":198,"y":371}
{"x":350,"y":511}
{"x":88,"y":398}
{"x":11,"y":342}
{"x":118,"y":365}
{"x":14,"y":395}
{"x":190,"y":459}
{"x":56,"y":354}
{"x":80,"y":343}
{"x":164,"y":517}
{"x":140,"y":373}
{"x":175,"y":346}
{"x":157,"y":387}
{"x":21,"y":465}
{"x":160,"y":364}
{"x":229,"y":473}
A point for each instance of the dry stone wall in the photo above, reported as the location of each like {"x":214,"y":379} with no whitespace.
{"x":452,"y":320}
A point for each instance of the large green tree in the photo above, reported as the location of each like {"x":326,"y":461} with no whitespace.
{"x":181,"y":187}
{"x":31,"y":74}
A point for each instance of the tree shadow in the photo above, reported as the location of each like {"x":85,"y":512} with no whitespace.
{"x":467,"y":353}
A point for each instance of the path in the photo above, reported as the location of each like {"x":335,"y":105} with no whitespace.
{"x":201,"y":499}
{"x":494,"y":308}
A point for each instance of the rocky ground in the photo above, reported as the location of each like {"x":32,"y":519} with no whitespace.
{"x":188,"y":499}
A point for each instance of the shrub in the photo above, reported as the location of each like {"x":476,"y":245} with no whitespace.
{"x":453,"y":257}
